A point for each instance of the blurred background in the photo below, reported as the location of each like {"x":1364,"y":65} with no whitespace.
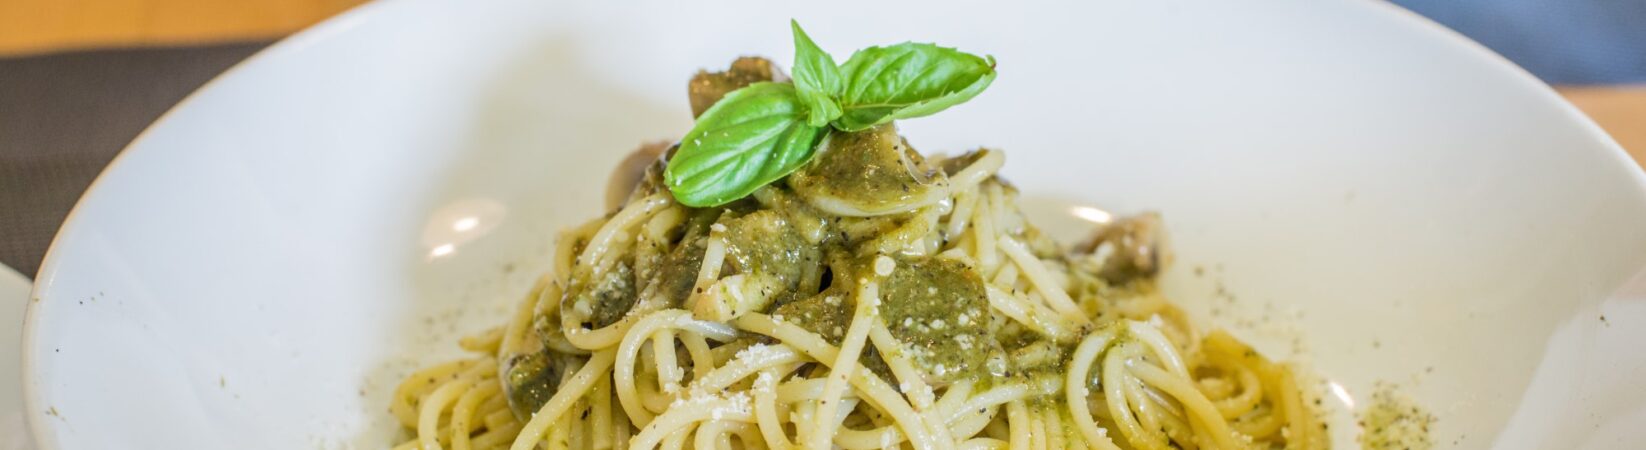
{"x":80,"y":78}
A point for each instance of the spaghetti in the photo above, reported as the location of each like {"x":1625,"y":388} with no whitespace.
{"x":874,"y":299}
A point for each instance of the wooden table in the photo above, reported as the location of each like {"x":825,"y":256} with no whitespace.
{"x":38,"y":26}
{"x":1620,"y":110}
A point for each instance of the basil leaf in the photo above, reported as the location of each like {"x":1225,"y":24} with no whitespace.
{"x":816,"y":78}
{"x":908,"y":80}
{"x":752,"y":137}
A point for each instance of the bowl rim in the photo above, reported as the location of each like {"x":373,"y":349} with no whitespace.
{"x":35,"y":412}
{"x":35,"y":415}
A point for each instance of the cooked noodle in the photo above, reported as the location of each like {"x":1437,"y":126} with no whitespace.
{"x":1071,"y":355}
{"x":872,"y":298}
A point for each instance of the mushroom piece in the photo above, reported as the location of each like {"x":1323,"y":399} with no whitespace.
{"x":643,"y":165}
{"x":536,"y":357}
{"x":1128,"y":248}
{"x":706,"y":87}
{"x":531,"y":379}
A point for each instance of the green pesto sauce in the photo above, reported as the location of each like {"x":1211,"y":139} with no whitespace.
{"x":872,"y":170}
{"x":812,"y":226}
{"x":827,"y":314}
{"x":1393,"y":421}
{"x":1086,"y":283}
{"x":938,"y":310}
{"x":854,"y":231}
{"x":809,"y":261}
{"x":764,"y":243}
{"x":1032,"y":357}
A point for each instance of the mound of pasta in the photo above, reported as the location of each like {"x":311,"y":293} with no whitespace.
{"x":874,"y":298}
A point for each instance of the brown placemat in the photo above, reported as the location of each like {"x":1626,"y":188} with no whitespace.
{"x":64,"y":116}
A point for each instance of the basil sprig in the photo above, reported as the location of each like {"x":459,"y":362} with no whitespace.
{"x":765,"y":131}
{"x":908,"y":80}
{"x":751,"y":137}
{"x":816,"y":79}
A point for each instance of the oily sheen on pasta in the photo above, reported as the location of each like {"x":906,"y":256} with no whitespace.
{"x":875,"y":298}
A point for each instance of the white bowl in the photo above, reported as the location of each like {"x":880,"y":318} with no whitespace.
{"x":259,"y":268}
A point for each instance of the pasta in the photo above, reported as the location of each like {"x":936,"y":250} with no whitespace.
{"x":925,"y":312}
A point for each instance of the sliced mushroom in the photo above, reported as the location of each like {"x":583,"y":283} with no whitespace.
{"x":1128,"y":248}
{"x":602,"y":299}
{"x":641,"y":171}
{"x":706,"y":87}
{"x":531,"y":379}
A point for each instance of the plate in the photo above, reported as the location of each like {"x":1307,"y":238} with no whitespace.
{"x":1356,"y":188}
{"x":14,"y":297}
